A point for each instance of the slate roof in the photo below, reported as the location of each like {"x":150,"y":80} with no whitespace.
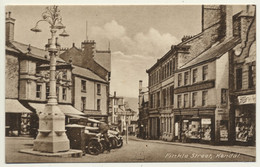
{"x":103,"y":58}
{"x":214,"y":52}
{"x":34,"y":52}
{"x":84,"y":72}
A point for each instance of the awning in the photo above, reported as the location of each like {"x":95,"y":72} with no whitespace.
{"x":93,"y":120}
{"x":76,"y":116}
{"x":65,"y":108}
{"x":14,"y":106}
{"x":69,"y":109}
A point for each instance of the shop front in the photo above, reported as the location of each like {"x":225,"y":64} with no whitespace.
{"x":198,"y":127}
{"x":245,"y":120}
{"x":17,"y":118}
{"x":154,"y":126}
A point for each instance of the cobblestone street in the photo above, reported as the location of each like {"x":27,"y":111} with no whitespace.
{"x":134,"y":151}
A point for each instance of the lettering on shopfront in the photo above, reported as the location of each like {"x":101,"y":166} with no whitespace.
{"x":247,"y":99}
{"x":201,"y":86}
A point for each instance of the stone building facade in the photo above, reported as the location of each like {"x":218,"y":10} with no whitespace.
{"x":143,"y":105}
{"x":189,"y":87}
{"x":91,"y":75}
{"x":27,"y":85}
{"x":243,"y":84}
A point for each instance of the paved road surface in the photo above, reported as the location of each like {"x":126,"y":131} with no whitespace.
{"x":134,"y":151}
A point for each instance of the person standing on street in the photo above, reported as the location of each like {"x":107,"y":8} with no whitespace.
{"x":103,"y":127}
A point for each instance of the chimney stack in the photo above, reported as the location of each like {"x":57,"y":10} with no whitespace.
{"x":140,"y":85}
{"x":9,"y":28}
{"x":114,"y":93}
{"x":222,"y":14}
{"x":228,"y":22}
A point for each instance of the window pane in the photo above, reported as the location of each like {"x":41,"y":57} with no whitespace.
{"x":179,"y":79}
{"x":204,"y":97}
{"x":186,"y":78}
{"x":239,"y":78}
{"x":194,"y":99}
{"x":98,"y":89}
{"x":205,"y":72}
{"x":64,"y":96}
{"x":186,"y":101}
{"x":38,"y":90}
{"x":194,"y":75}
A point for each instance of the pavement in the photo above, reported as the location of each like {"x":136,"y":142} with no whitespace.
{"x":244,"y":150}
{"x":136,"y":150}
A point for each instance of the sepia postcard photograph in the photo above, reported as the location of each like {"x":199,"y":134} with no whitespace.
{"x":129,"y":83}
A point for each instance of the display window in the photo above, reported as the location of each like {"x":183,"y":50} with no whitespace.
{"x":245,"y":126}
{"x":223,"y":130}
{"x":206,"y":129}
{"x":194,"y":129}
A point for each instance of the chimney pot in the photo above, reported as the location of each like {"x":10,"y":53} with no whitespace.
{"x":140,"y":85}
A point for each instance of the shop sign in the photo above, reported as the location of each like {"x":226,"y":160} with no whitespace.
{"x":185,"y":120}
{"x":206,"y":121}
{"x":195,"y":87}
{"x":247,"y":99}
{"x":223,"y":135}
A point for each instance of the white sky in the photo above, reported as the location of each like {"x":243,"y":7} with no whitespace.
{"x":139,"y":35}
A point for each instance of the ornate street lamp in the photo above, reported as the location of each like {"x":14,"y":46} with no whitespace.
{"x":52,"y":137}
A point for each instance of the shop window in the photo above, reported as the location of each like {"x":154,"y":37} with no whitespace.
{"x":64,"y":94}
{"x":223,"y":96}
{"x":205,"y":72}
{"x":194,"y":129}
{"x":239,"y":78}
{"x":158,"y":99}
{"x":98,"y":89}
{"x":194,"y":75}
{"x":245,"y":125}
{"x":206,"y":129}
{"x":204,"y":98}
{"x":38,"y":91}
{"x":47,"y":91}
{"x":98,"y":104}
{"x":194,"y":99}
{"x":179,"y":101}
{"x":83,"y":103}
{"x":179,"y":79}
{"x":172,"y":94}
{"x":186,"y":101}
{"x":251,"y":76}
{"x":83,"y":86}
{"x":186,"y":78}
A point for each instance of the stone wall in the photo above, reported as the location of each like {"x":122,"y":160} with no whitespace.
{"x":11,"y":76}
